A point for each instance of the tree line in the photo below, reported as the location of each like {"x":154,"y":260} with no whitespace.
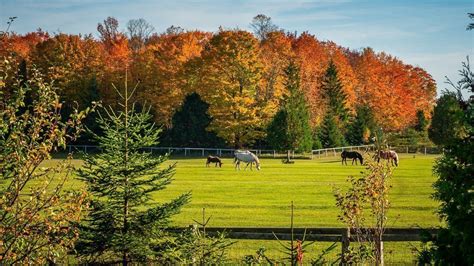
{"x":228,"y":86}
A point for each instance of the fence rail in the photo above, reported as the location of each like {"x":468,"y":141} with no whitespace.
{"x":342,"y":235}
{"x":318,"y":234}
{"x":335,"y":151}
{"x":225,"y":152}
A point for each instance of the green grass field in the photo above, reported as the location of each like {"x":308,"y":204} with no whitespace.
{"x":262,"y":198}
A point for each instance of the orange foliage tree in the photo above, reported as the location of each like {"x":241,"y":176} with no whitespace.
{"x":393,"y":90}
{"x":275,"y":54}
{"x":165,"y":71}
{"x":72,"y":62}
{"x":232,"y":70}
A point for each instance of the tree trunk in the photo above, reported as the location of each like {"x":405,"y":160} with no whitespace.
{"x":379,"y":250}
{"x":125,"y":204}
{"x":237,"y":144}
{"x":288,"y":156}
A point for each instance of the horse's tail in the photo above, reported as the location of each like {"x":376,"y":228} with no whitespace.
{"x":396,"y":159}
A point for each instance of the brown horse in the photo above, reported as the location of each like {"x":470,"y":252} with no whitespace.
{"x":391,"y":156}
{"x":351,"y":155}
{"x":213,"y":159}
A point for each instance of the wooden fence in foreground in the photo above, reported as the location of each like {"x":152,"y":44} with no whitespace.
{"x":342,"y":235}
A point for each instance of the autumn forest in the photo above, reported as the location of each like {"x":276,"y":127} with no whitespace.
{"x":239,"y":76}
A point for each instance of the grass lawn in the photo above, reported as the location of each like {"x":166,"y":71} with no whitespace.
{"x":262,"y":198}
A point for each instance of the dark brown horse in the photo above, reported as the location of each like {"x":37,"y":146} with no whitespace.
{"x":213,"y":159}
{"x":351,"y":155}
{"x":391,"y":156}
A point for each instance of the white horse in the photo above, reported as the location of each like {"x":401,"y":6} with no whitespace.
{"x":247,"y":157}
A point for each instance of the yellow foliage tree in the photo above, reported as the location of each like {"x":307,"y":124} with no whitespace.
{"x":230,"y":76}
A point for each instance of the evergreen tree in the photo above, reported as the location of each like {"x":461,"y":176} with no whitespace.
{"x":337,"y":115}
{"x":189,"y":125}
{"x":447,"y":123}
{"x":362,"y":127}
{"x":290,"y":129}
{"x":89,"y":95}
{"x":277,"y":131}
{"x":421,"y":121}
{"x":317,"y":138}
{"x":124,"y":223}
{"x":333,"y":93}
{"x":331,"y":136}
{"x":455,"y":185}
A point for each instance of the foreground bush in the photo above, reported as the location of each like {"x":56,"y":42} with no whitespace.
{"x":37,"y":216}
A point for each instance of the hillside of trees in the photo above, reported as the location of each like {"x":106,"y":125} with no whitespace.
{"x":238,"y":76}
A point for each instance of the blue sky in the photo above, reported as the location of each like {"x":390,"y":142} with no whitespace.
{"x":429,"y":34}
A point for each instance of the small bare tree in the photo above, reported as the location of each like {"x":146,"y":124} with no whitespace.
{"x":364,"y":209}
{"x":174,"y":30}
{"x":108,"y":30}
{"x":262,"y":25}
{"x":139,"y":30}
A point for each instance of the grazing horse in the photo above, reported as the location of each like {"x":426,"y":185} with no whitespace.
{"x":213,"y":159}
{"x":351,"y":155}
{"x":391,"y":156}
{"x":246,"y":157}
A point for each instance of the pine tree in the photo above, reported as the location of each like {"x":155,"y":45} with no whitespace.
{"x":189,"y":125}
{"x":421,"y":121}
{"x":331,"y":136}
{"x":363,"y":126}
{"x":317,"y":144}
{"x":124,"y":222}
{"x":89,"y":95}
{"x":290,"y":129}
{"x":277,"y":131}
{"x":333,"y":93}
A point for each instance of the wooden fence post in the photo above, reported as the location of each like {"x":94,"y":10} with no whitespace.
{"x":345,"y":241}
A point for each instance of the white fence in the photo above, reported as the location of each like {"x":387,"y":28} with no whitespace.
{"x":178,"y":151}
{"x":223,"y":152}
{"x":336,"y":151}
